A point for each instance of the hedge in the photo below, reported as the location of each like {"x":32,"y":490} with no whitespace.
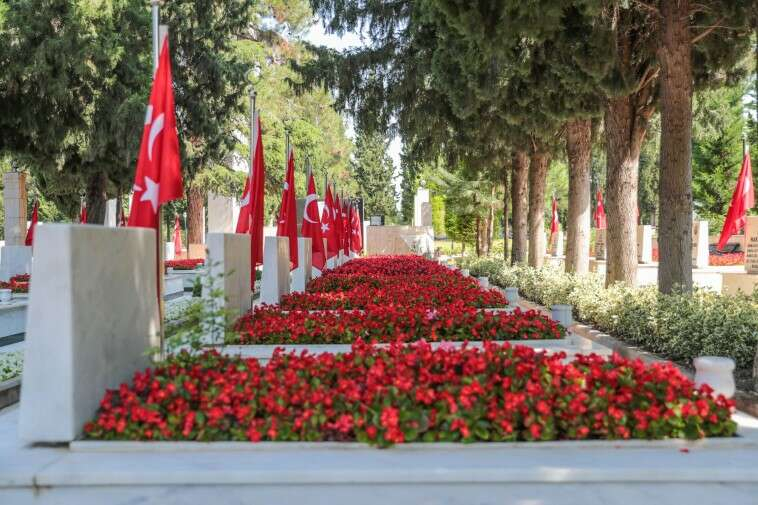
{"x":678,"y":326}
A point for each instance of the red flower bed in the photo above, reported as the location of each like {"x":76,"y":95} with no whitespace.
{"x":727,"y":259}
{"x":17,"y":283}
{"x":189,"y":264}
{"x":454,"y":322}
{"x":410,"y":393}
{"x":335,"y":290}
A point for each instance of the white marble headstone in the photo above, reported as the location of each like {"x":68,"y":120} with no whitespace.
{"x":699,"y":244}
{"x":92,"y":315}
{"x":275,"y":280}
{"x":644,"y":243}
{"x":302,"y":275}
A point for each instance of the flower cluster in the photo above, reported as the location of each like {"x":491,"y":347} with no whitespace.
{"x":409,"y":393}
{"x":188,"y":264}
{"x":453,"y":322}
{"x":17,"y":283}
{"x":727,"y":259}
{"x":391,"y":280}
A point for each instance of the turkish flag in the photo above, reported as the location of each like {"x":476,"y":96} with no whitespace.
{"x":256,"y":198}
{"x":312,"y":226}
{"x":83,"y":214}
{"x":600,"y":222}
{"x":555,"y":225}
{"x":177,"y":237}
{"x":743,"y":199}
{"x":287,"y":226}
{"x":339,"y":228}
{"x":356,"y":242}
{"x":346,"y":229}
{"x":328,"y":227}
{"x":30,"y":232}
{"x":159,"y":172}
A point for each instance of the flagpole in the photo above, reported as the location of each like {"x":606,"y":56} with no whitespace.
{"x":159,"y":30}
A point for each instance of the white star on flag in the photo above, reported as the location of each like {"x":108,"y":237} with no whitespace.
{"x":151,"y":193}
{"x":324,"y":227}
{"x":245,"y":199}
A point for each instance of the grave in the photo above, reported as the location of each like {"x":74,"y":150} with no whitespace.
{"x":700,"y":244}
{"x":600,"y":244}
{"x":229,"y":267}
{"x":303,"y":274}
{"x":746,"y":281}
{"x":644,"y":244}
{"x":275,"y":280}
{"x":223,"y":213}
{"x":16,"y":258}
{"x":77,"y":345}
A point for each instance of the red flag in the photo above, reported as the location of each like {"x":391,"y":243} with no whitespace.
{"x":312,"y":226}
{"x":555,"y":225}
{"x":256,"y":197}
{"x":243,"y":221}
{"x":356,"y":243}
{"x":743,"y":199}
{"x":177,"y":237}
{"x":328,"y":226}
{"x":30,"y":232}
{"x":287,"y":226}
{"x":83,"y":214}
{"x":346,"y":229}
{"x":599,"y":218}
{"x":159,"y":173}
{"x":339,"y":227}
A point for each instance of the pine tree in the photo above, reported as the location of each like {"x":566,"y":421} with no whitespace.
{"x":373,"y":171}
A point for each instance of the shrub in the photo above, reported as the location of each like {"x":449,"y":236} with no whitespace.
{"x":679,"y":326}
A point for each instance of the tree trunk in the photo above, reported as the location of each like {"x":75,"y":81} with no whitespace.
{"x":491,"y":221}
{"x":195,"y":215}
{"x":478,"y":236}
{"x":505,"y":215}
{"x":519,"y":198}
{"x":578,"y":151}
{"x":538,"y":166}
{"x":96,"y":197}
{"x":624,"y":133}
{"x":675,"y":180}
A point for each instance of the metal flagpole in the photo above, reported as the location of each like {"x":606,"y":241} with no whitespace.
{"x":157,"y":29}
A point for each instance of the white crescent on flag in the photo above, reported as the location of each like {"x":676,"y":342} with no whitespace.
{"x":155,"y":129}
{"x":308,"y":200}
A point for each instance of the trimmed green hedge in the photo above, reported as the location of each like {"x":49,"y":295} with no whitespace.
{"x":678,"y":326}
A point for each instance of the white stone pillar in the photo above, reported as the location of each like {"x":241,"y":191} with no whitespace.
{"x":110,"y":213}
{"x":275,"y":280}
{"x":16,"y":257}
{"x":14,"y":201}
{"x":229,"y":266}
{"x":168,"y":251}
{"x":303,"y":274}
{"x":600,"y":244}
{"x":644,"y":243}
{"x":700,"y":244}
{"x":556,"y":244}
{"x":92,"y":314}
{"x":220,"y":214}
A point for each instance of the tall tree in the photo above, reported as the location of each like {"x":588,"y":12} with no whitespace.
{"x":373,"y":170}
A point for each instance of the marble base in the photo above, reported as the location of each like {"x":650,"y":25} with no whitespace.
{"x":12,"y":317}
{"x":15,"y":260}
{"x":275,"y":280}
{"x":736,"y":282}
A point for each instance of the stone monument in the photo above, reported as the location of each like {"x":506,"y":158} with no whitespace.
{"x":556,"y":244}
{"x":644,"y":243}
{"x":16,"y":257}
{"x":751,"y":245}
{"x":699,"y":244}
{"x":111,"y":207}
{"x":221,"y":211}
{"x":600,"y":244}
{"x":422,"y":209}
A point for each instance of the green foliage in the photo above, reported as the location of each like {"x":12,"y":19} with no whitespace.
{"x":438,"y":214}
{"x":202,"y":322}
{"x":679,"y":326}
{"x":373,"y":171}
{"x":716,"y":151}
{"x":11,"y":365}
{"x":649,"y":170}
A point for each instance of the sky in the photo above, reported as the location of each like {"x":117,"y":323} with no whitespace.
{"x":316,"y":35}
